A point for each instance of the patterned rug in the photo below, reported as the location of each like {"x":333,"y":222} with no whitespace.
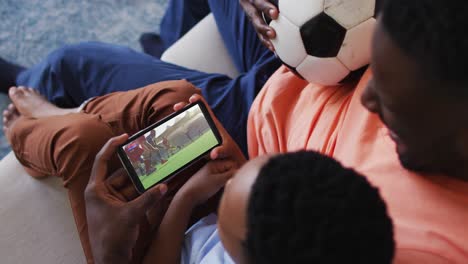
{"x":30,"y":29}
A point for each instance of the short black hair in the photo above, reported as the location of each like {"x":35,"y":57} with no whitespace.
{"x":307,"y":208}
{"x":434,"y":34}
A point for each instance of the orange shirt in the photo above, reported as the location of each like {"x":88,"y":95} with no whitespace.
{"x":430,"y":213}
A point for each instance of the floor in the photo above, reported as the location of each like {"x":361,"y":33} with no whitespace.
{"x":30,"y":29}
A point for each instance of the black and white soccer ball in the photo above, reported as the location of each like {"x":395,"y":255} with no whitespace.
{"x":324,"y":41}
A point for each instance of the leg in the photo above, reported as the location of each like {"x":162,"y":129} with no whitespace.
{"x":241,"y":39}
{"x":239,"y":35}
{"x":30,"y":103}
{"x":70,"y":142}
{"x":8,"y":73}
{"x":61,"y":139}
{"x":75,"y":73}
{"x":141,"y":107}
{"x":180,"y":17}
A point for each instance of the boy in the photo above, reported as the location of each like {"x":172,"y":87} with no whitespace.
{"x":294,"y":208}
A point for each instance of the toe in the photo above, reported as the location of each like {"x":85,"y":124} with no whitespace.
{"x":12,"y":108}
{"x":12,"y":91}
{"x":22,"y":90}
{"x":16,"y":92}
{"x":6,"y":113}
{"x":15,"y":111}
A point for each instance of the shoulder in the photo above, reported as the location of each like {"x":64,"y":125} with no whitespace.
{"x":285,"y":91}
{"x":281,"y":86}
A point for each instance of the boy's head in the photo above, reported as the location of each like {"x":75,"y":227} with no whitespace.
{"x":303,"y":208}
{"x":420,"y":82}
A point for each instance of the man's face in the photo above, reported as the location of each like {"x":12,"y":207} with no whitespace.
{"x":425,"y":127}
{"x":232,"y":212}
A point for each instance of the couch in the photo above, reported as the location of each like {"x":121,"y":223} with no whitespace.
{"x":37,"y":225}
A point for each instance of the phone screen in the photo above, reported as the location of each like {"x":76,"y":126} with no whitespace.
{"x":171,"y":145}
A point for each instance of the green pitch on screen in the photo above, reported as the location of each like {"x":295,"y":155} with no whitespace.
{"x":182,"y":157}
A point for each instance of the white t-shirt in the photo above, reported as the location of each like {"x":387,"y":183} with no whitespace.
{"x":202,"y":244}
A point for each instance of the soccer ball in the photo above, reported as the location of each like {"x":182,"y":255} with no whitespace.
{"x":324,"y":41}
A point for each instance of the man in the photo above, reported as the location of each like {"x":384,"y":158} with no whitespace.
{"x":151,"y":139}
{"x":156,"y":153}
{"x":134,"y":152}
{"x":417,"y":95}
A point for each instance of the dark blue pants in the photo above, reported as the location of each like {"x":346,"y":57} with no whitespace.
{"x":180,"y":17}
{"x":72,"y":74}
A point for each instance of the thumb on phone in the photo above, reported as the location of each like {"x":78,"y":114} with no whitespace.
{"x":99,"y":170}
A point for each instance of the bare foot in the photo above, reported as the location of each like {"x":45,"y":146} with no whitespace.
{"x":30,"y":103}
{"x":10,"y":115}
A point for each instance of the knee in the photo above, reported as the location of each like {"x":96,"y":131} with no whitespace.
{"x":78,"y":142}
{"x":71,"y":54}
{"x":172,"y":92}
{"x":158,"y":100}
{"x":181,"y":92}
{"x":161,"y":97}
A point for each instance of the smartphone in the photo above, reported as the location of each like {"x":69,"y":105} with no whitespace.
{"x":162,"y":150}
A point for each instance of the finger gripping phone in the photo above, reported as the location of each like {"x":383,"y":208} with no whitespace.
{"x":162,"y":150}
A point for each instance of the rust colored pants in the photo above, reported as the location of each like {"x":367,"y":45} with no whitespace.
{"x":66,"y":145}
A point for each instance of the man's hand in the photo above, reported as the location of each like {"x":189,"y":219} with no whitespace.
{"x":254,"y":9}
{"x":229,"y":149}
{"x":113,"y":224}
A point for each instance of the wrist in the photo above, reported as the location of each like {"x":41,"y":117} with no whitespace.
{"x":110,"y":252}
{"x":185,"y":199}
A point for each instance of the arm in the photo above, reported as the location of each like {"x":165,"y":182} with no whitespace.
{"x":114,"y":224}
{"x":167,"y":243}
{"x":168,"y":240}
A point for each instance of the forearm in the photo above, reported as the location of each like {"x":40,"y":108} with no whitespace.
{"x":167,"y":243}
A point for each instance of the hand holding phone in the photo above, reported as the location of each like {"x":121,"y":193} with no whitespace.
{"x":206,"y":182}
{"x":113,"y":223}
{"x":229,"y":148}
{"x":164,"y":149}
